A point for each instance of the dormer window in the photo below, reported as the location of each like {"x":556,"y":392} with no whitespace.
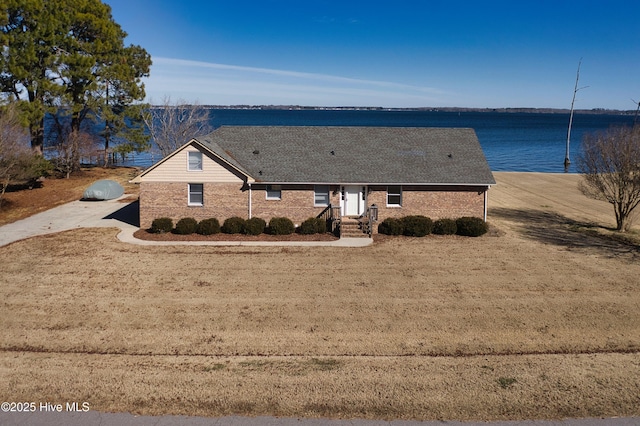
{"x":194,"y":161}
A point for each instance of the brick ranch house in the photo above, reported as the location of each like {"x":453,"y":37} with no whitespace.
{"x":306,"y":171}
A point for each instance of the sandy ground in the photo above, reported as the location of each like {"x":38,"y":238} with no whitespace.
{"x":537,"y":319}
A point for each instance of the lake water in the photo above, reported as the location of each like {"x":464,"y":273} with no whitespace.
{"x":527,"y":142}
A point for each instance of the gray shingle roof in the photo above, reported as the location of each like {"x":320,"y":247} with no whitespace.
{"x":385,"y":155}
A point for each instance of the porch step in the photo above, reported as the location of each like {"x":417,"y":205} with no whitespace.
{"x":350,"y":228}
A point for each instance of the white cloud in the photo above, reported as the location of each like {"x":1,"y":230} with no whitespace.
{"x":222,"y":84}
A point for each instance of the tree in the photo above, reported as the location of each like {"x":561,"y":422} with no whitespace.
{"x":17,"y":161}
{"x":171,"y":126}
{"x":65,"y":55}
{"x":70,"y":149}
{"x":120,"y":87}
{"x":610,"y":167}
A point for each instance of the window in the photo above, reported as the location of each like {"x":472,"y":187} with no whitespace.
{"x":394,"y":196}
{"x":194,"y":161}
{"x":274,"y":192}
{"x":196,"y":196}
{"x":321,"y":195}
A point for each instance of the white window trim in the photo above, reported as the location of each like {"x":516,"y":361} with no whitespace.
{"x":189,"y":202}
{"x":400,"y":194}
{"x":189,"y":169}
{"x":273,"y":188}
{"x":328,"y":193}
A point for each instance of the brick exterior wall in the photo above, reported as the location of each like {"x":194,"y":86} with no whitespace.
{"x":224,"y":200}
{"x":296,"y":202}
{"x":162,"y":199}
{"x":436,"y":203}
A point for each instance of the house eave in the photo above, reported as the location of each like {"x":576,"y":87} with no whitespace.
{"x":264,"y":182}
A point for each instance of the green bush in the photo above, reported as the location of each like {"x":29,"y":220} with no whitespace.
{"x":208,"y":226}
{"x":233,"y":225}
{"x":391,"y":226}
{"x":321,"y":225}
{"x":417,"y":226}
{"x":471,"y":226}
{"x":313,"y":225}
{"x":161,"y":225}
{"x":281,"y":226}
{"x":186,"y":226}
{"x":445,"y":227}
{"x":254,"y":226}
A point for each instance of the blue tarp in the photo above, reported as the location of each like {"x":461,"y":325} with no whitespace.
{"x":103,"y":190}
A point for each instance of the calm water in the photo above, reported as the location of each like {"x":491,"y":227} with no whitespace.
{"x":529,"y":142}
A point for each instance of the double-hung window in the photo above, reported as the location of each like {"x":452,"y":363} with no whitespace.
{"x":321,"y":195}
{"x":274,"y":192}
{"x":394,"y":196}
{"x":194,"y":161}
{"x":196,"y":194}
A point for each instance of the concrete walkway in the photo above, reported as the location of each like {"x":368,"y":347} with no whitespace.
{"x":116,"y":214}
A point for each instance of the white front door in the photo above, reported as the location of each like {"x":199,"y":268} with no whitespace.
{"x":353,"y":204}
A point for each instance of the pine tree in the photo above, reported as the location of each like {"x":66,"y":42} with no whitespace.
{"x":69,"y":56}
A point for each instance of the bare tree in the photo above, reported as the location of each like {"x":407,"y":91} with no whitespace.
{"x":18,"y":163}
{"x":70,"y":149}
{"x":171,"y":126}
{"x":610,"y":167}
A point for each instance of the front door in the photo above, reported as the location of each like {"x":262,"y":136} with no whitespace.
{"x":353,"y":202}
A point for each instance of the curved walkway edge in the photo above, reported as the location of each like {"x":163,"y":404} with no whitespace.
{"x":118,"y":214}
{"x":126,"y":419}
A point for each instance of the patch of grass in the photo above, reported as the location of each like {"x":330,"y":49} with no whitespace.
{"x":324,"y":364}
{"x":214,"y":367}
{"x":506,"y":382}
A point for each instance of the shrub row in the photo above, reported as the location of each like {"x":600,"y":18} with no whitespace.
{"x":237,"y":225}
{"x":419,"y":226}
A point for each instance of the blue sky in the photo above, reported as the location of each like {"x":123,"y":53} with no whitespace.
{"x":405,"y":53}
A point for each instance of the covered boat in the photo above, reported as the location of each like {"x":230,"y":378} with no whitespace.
{"x":103,"y":190}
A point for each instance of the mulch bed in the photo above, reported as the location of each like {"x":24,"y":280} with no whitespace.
{"x":143,"y":234}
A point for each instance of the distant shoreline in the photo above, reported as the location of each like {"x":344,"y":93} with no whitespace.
{"x":602,"y":111}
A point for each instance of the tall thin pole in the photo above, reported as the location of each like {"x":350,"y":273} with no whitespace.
{"x":567,"y":161}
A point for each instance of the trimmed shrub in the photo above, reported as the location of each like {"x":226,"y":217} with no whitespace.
{"x":186,"y":226}
{"x":281,"y":226}
{"x":254,"y":226}
{"x":208,"y":226}
{"x":233,"y":225}
{"x":313,"y":225}
{"x":161,"y":225}
{"x":445,"y":227}
{"x":321,"y":225}
{"x":471,"y":226}
{"x":391,"y":226}
{"x":417,"y":225}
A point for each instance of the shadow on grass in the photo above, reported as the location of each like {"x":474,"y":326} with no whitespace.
{"x":556,"y":229}
{"x":129,"y":214}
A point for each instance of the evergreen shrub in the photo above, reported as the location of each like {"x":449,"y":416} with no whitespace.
{"x":417,"y":225}
{"x":281,"y":226}
{"x":233,"y":225}
{"x":186,"y":226}
{"x":161,"y":225}
{"x":445,"y":227}
{"x":471,"y":226}
{"x":254,"y":226}
{"x":208,"y":226}
{"x":313,"y":225}
{"x":391,"y":226}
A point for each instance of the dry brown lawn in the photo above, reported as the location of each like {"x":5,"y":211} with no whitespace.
{"x":538,"y":319}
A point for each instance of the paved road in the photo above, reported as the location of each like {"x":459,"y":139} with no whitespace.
{"x":116,"y":214}
{"x":124,"y":419}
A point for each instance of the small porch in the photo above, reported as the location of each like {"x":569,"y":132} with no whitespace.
{"x":352,"y":226}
